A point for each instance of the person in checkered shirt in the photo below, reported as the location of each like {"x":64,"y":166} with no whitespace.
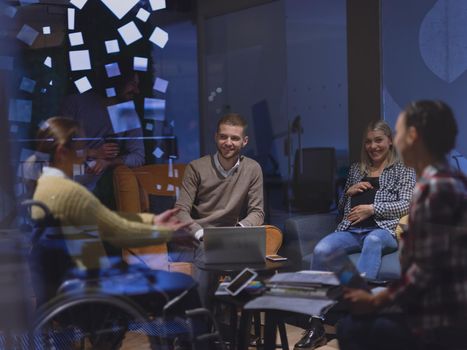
{"x":432,"y":292}
{"x":376,"y":195}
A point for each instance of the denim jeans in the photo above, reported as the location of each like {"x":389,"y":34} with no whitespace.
{"x":369,"y":241}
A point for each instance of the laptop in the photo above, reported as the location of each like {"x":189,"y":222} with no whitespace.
{"x":234,"y":245}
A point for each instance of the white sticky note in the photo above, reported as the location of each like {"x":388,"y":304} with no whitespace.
{"x":171,"y":168}
{"x":219,"y":90}
{"x":158,"y":152}
{"x":20,"y":110}
{"x":120,"y":7}
{"x":123,"y":117}
{"x":130,"y":33}
{"x":111,"y":46}
{"x":83,"y":84}
{"x":160,"y":85}
{"x":110,"y":92}
{"x":170,"y":188}
{"x":175,"y":173}
{"x":158,"y":187}
{"x":71,"y":18}
{"x":48,"y":61}
{"x":140,"y":64}
{"x":157,"y":4}
{"x":154,"y":108}
{"x":79,"y":60}
{"x":143,"y":15}
{"x":76,"y":39}
{"x":112,"y":70}
{"x":27,"y":34}
{"x":78,"y":3}
{"x":149,"y":127}
{"x":159,"y":37}
{"x":46,"y":30}
{"x":27,"y":84}
{"x":51,"y":83}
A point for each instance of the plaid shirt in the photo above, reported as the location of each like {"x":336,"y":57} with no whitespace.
{"x":392,"y":199}
{"x":433,"y":286}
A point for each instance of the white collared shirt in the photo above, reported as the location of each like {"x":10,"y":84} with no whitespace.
{"x":225,"y":173}
{"x":51,"y":171}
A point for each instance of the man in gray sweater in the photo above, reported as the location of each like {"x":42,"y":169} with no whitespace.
{"x":224,"y":189}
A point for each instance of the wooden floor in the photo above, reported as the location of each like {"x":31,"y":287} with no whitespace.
{"x":137,"y":341}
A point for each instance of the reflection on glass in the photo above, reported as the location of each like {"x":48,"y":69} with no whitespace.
{"x":20,"y":110}
{"x":160,"y":85}
{"x":111,"y":46}
{"x":120,"y":8}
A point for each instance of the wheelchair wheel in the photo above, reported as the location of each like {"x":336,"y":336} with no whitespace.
{"x":91,"y":320}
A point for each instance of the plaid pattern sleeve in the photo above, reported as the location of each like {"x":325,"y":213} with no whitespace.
{"x":391,"y":200}
{"x":433,"y":287}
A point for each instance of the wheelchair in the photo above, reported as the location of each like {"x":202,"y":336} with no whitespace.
{"x":107,"y":308}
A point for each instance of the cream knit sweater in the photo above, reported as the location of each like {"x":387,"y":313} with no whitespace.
{"x":78,"y":209}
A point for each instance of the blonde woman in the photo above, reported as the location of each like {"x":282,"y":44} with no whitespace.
{"x":376,"y":195}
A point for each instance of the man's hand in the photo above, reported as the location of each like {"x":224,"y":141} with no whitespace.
{"x":360,"y":213}
{"x":99,"y":166}
{"x":362,"y":302}
{"x":168,"y":220}
{"x":105,"y":151}
{"x":358,"y":188}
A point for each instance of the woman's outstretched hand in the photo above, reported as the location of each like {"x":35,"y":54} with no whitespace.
{"x":181,"y":235}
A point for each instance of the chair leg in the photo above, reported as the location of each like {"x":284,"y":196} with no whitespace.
{"x":283,"y":335}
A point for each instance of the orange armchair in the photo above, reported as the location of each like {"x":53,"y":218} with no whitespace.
{"x":134,"y":189}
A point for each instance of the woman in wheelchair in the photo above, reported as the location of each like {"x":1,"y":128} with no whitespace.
{"x":85,"y":225}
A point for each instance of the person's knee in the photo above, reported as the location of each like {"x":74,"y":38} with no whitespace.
{"x":322,"y":249}
{"x":373,"y":241}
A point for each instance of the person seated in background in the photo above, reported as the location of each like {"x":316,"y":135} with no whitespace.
{"x":223,"y":189}
{"x":77,"y":209}
{"x":103,"y":149}
{"x":432,"y":291}
{"x":376,"y":195}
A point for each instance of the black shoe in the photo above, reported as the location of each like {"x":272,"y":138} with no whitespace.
{"x":312,"y":337}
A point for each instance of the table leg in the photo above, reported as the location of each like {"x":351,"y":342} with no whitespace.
{"x":244,"y":330}
{"x":270,"y":325}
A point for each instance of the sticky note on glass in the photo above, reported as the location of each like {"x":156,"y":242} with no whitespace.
{"x":10,"y":11}
{"x":71,"y":18}
{"x":154,"y":109}
{"x":76,"y":39}
{"x":83,"y":84}
{"x":158,"y":152}
{"x":112,"y":70}
{"x":170,"y":188}
{"x":27,"y":34}
{"x":79,"y":60}
{"x":159,"y":37}
{"x":46,"y":30}
{"x":140,"y":64}
{"x":149,"y":127}
{"x":123,"y":117}
{"x":111,"y":46}
{"x":130,"y":33}
{"x":20,"y":110}
{"x":27,"y":84}
{"x":110,"y":92}
{"x":120,"y":7}
{"x":142,"y":15}
{"x":157,"y":4}
{"x":48,"y":61}
{"x":160,"y":85}
{"x":78,"y":3}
